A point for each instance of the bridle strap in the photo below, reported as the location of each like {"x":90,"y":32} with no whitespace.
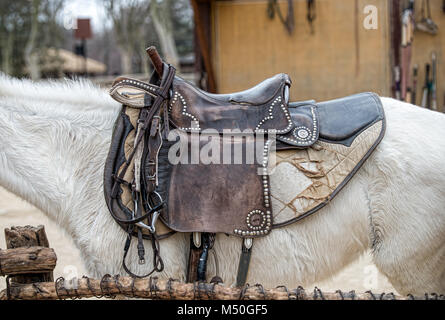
{"x":150,"y":120}
{"x":162,"y":95}
{"x":158,"y":263}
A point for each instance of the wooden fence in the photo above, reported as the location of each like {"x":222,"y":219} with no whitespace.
{"x":28,"y":265}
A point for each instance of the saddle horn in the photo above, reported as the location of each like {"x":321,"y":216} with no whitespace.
{"x":155,"y":59}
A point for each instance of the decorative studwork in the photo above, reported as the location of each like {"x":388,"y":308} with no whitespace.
{"x":258,"y":222}
{"x":151,"y":89}
{"x":265,"y":176}
{"x":302,"y":134}
{"x":177,"y":96}
{"x":277,"y":101}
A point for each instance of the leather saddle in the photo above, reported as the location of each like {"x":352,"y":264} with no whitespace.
{"x":184,"y":160}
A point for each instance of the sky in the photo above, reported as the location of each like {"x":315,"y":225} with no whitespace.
{"x":92,"y":9}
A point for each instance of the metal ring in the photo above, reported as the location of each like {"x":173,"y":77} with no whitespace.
{"x":97,"y":296}
{"x":372,"y":294}
{"x":159,"y":196}
{"x":56,"y":286}
{"x":118,"y":286}
{"x":341,"y":294}
{"x":169,"y":287}
{"x":285,"y":290}
{"x":243,"y":291}
{"x":352,"y":294}
{"x":318,"y":293}
{"x":301,"y":293}
{"x":261,"y":288}
{"x":106,"y":295}
{"x":152,"y":284}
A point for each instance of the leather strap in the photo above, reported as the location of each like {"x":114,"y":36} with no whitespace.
{"x":154,"y":145}
{"x":192,"y":265}
{"x":146,"y":121}
{"x":244,"y":262}
{"x":154,"y":120}
{"x":158,"y":264}
{"x":208,"y":240}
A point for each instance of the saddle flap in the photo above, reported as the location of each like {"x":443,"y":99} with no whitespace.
{"x":193,"y":109}
{"x":225,"y":196}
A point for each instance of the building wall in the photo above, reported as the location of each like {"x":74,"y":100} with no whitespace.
{"x":423,"y":46}
{"x":340,"y":58}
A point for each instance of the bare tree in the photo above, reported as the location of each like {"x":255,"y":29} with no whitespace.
{"x":12,"y":21}
{"x":27,"y":28}
{"x":31,"y":54}
{"x":7,"y":46}
{"x":160,"y":12}
{"x":129,"y":17}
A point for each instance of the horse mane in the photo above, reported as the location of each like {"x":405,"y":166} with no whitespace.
{"x":57,"y":99}
{"x":79,"y":92}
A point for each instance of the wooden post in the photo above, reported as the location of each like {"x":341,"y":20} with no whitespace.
{"x":28,"y":236}
{"x":27,"y":260}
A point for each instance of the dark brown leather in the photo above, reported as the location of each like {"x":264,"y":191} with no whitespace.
{"x":306,"y":127}
{"x":193,"y":260}
{"x":257,"y":95}
{"x":228,"y":198}
{"x":264,"y":109}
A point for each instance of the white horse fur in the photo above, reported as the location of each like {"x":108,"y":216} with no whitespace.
{"x":54,"y":139}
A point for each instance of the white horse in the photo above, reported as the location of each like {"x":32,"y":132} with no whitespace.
{"x":54,"y":140}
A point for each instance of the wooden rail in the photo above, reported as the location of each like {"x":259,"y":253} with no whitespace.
{"x":29,"y":264}
{"x":154,"y":288}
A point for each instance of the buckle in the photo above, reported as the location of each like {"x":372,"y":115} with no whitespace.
{"x":153,"y":176}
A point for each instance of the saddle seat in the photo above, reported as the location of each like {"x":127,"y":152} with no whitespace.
{"x":263,"y":108}
{"x":257,"y":95}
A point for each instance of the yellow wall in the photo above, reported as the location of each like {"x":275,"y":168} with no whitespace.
{"x":247,"y":47}
{"x":424,"y":44}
